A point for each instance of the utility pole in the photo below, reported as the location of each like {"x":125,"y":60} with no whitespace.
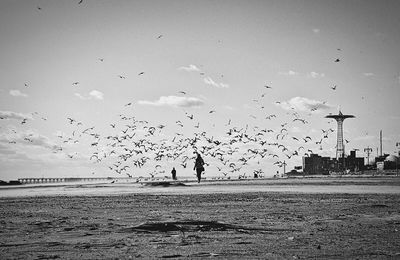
{"x":397,"y":159}
{"x":368,"y":150}
{"x":284,"y":167}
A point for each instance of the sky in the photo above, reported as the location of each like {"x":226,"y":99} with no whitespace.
{"x":192,"y":67}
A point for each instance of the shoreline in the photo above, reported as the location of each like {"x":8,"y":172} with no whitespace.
{"x":374,"y":185}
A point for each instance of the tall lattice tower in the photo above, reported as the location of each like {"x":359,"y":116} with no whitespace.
{"x":339,"y":119}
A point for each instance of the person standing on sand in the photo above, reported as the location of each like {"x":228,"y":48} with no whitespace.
{"x":199,"y":167}
{"x":173,"y":172}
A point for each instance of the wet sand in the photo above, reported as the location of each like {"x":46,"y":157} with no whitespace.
{"x":242,"y":224}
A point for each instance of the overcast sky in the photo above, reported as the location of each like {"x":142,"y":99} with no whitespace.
{"x":87,"y":61}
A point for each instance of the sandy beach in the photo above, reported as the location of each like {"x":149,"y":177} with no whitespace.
{"x":182,"y":222}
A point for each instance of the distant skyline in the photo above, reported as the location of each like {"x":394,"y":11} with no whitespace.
{"x":192,"y":67}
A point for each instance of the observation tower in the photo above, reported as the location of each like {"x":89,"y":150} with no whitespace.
{"x":339,"y":146}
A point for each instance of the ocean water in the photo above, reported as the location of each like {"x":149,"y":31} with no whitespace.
{"x":351,"y":186}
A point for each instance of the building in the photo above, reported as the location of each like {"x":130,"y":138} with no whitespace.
{"x":315,"y":164}
{"x":354,"y":163}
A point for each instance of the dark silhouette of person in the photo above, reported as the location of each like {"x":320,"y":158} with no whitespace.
{"x":173,"y":172}
{"x":199,"y":167}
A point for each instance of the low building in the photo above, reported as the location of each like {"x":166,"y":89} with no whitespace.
{"x":354,"y":163}
{"x":315,"y":164}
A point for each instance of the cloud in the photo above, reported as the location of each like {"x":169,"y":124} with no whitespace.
{"x":288,"y":73}
{"x":304,"y":104}
{"x":81,"y":97}
{"x":315,"y":75}
{"x":29,"y":138}
{"x":368,"y":74}
{"x":365,"y":138}
{"x":14,"y":115}
{"x":315,"y":30}
{"x":174,"y":101}
{"x":228,"y":107}
{"x":94,"y":94}
{"x":17,"y":93}
{"x":211,"y":82}
{"x":190,"y":68}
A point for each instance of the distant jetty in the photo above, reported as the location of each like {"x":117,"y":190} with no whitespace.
{"x":4,"y":183}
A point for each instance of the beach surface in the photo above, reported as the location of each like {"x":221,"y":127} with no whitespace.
{"x":351,"y":218}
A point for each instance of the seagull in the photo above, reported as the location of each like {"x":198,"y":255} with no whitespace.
{"x":130,"y":103}
{"x":337,"y":60}
{"x":266,"y":86}
{"x":212,"y":111}
{"x":101,"y":59}
{"x":182,"y":92}
{"x":121,"y":77}
{"x":26,"y":85}
{"x":334,"y":87}
{"x":141,"y":73}
{"x":39,"y":8}
{"x":75,"y":83}
{"x":80,"y":2}
{"x":159,"y":36}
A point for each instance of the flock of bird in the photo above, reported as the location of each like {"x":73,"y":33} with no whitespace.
{"x":239,"y":149}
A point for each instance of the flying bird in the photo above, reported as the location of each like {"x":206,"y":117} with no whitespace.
{"x":159,"y":36}
{"x":337,"y":60}
{"x":75,"y":83}
{"x":141,"y":73}
{"x":334,"y":87}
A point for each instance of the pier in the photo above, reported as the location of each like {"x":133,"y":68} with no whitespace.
{"x":57,"y":180}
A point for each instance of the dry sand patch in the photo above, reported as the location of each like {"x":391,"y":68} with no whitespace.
{"x":237,"y":225}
